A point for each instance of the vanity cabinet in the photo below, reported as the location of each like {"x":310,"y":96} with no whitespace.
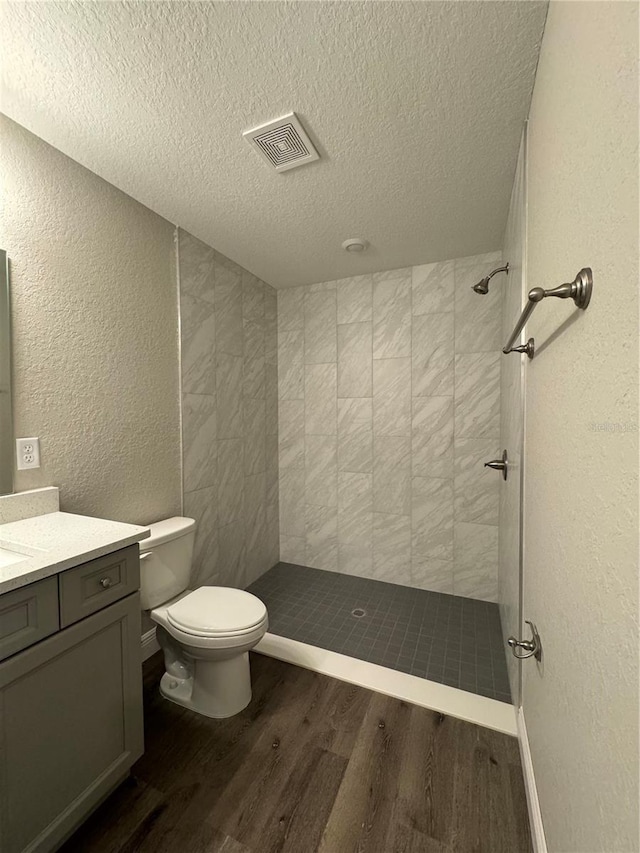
{"x":71,"y":704}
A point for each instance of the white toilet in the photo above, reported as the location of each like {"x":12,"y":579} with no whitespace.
{"x":206,"y":633}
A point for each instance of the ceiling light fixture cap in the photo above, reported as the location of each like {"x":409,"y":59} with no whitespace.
{"x":355,"y":244}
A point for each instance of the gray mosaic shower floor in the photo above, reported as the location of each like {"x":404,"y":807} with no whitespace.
{"x":445,"y":638}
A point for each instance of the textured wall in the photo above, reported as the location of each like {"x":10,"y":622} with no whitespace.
{"x":581,"y":537}
{"x":389,"y":405}
{"x":229,"y":415}
{"x":95,"y":340}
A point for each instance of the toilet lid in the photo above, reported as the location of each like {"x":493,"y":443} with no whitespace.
{"x":214,"y":610}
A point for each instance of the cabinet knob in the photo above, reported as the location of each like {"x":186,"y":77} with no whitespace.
{"x":105,"y":583}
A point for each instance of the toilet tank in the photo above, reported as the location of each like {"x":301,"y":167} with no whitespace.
{"x":165,"y":560}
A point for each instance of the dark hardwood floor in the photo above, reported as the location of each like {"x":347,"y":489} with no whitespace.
{"x":313,"y":764}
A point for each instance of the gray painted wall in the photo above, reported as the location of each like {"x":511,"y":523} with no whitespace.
{"x":388,"y":406}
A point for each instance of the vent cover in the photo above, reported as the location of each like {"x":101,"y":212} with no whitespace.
{"x":283,"y":143}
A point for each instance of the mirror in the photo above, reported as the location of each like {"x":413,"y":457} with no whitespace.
{"x":6,"y":417}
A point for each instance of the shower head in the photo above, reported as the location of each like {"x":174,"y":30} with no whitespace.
{"x":482,"y":286}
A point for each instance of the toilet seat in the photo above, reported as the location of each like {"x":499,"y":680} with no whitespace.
{"x":213,"y":612}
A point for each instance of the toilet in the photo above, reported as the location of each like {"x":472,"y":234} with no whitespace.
{"x":206,"y":633}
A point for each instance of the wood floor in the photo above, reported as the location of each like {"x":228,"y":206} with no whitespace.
{"x":313,"y":764}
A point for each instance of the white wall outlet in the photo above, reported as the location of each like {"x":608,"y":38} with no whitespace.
{"x":28,"y":453}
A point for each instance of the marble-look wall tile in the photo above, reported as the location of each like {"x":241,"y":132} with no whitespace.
{"x":476,"y":559}
{"x":432,"y":355}
{"x":292,"y":549}
{"x":228,"y":307}
{"x":433,"y":288}
{"x":231,"y":544}
{"x":320,"y":395}
{"x":320,"y":327}
{"x":321,"y":535}
{"x":355,"y":434}
{"x":355,"y":504}
{"x":392,"y":315}
{"x":432,"y":437}
{"x":476,"y":488}
{"x":291,"y":365}
{"x":230,"y":480}
{"x":290,"y":309}
{"x":355,"y":299}
{"x":271,"y":398}
{"x":432,"y":518}
{"x":252,"y":297}
{"x":229,"y":394}
{"x":433,"y":574}
{"x":199,"y":438}
{"x":254,"y":364}
{"x":291,"y":433}
{"x":255,"y":487}
{"x":291,"y":501}
{"x":392,"y":474}
{"x":355,"y":560}
{"x":255,"y":446}
{"x":355,"y":365}
{"x":202,"y":505}
{"x":478,"y":318}
{"x":477,"y":404}
{"x":197,"y":268}
{"x":197,"y":321}
{"x":392,"y":396}
{"x":392,"y":548}
{"x":321,"y":470}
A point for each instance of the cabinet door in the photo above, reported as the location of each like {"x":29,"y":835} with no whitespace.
{"x":70,"y":726}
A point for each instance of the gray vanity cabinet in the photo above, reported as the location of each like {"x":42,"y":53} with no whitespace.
{"x":70,"y":719}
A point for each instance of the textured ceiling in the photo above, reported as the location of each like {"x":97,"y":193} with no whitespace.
{"x":416,"y":109}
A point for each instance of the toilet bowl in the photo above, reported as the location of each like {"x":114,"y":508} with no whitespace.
{"x":206,"y":633}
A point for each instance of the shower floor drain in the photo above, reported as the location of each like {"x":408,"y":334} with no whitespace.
{"x":358,"y":613}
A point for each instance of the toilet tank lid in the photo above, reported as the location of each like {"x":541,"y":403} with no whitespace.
{"x":166,"y":530}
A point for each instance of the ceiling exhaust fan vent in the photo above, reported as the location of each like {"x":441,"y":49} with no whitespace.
{"x":283,"y":143}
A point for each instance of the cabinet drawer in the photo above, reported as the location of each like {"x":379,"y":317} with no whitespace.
{"x":95,"y":585}
{"x":28,"y":615}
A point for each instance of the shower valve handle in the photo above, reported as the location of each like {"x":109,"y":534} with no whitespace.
{"x":499,"y":464}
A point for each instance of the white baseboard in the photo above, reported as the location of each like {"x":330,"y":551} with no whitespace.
{"x":535,"y":815}
{"x":149,"y":644}
{"x":419,"y":691}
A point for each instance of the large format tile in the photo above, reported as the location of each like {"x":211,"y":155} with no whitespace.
{"x":320,"y":327}
{"x":392,"y":548}
{"x":392,"y":474}
{"x":291,"y":365}
{"x":291,"y":502}
{"x":292,"y":549}
{"x":476,"y":488}
{"x":477,"y":395}
{"x":197,"y":321}
{"x":202,"y":505}
{"x":478,"y":317}
{"x":321,"y":534}
{"x":355,"y":434}
{"x":228,"y":303}
{"x":255,"y":435}
{"x":252,"y":297}
{"x":355,"y":299}
{"x":355,"y":560}
{"x":254,"y":363}
{"x":392,"y":316}
{"x":196,"y":267}
{"x":229,"y":393}
{"x":230,"y":480}
{"x":199,"y":441}
{"x":290,"y":308}
{"x":320,"y":388}
{"x":432,"y":518}
{"x":354,"y":360}
{"x":321,"y":470}
{"x":291,"y":433}
{"x":392,"y":396}
{"x":432,"y":437}
{"x":476,"y":561}
{"x":355,"y":503}
{"x":255,"y":490}
{"x":431,"y":573}
{"x":433,"y":288}
{"x":432,"y":355}
{"x":232,"y":549}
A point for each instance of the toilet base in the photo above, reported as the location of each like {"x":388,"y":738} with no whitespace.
{"x":217,"y":689}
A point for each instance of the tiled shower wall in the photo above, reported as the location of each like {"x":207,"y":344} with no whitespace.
{"x":229,"y":415}
{"x":389,"y":404}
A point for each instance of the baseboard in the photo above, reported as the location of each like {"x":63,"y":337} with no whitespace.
{"x":149,"y":644}
{"x":419,"y":691}
{"x":535,"y":815}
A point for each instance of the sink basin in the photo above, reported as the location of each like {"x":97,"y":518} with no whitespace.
{"x":9,"y":557}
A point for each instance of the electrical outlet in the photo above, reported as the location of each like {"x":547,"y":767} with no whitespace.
{"x":28,"y":453}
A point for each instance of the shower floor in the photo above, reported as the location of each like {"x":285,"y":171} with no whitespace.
{"x":446,"y":638}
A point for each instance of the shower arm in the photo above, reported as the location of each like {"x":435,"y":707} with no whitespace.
{"x":579,"y":290}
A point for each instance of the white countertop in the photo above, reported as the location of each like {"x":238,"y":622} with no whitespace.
{"x":57,"y":541}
